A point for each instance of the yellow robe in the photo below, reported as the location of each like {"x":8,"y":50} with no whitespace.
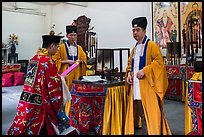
{"x":62,"y":55}
{"x":152,"y":90}
{"x":76,"y":73}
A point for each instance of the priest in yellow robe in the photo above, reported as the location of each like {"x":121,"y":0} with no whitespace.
{"x":147,"y":81}
{"x":68,"y":53}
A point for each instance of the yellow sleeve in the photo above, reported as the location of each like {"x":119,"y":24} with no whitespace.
{"x":82,"y":55}
{"x":83,"y":58}
{"x":155,"y":70}
{"x":156,"y":65}
{"x":129,"y":64}
{"x":197,"y":76}
{"x":58,"y":57}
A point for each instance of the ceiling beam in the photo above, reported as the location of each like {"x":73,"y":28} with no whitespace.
{"x":82,"y":4}
{"x":23,"y":11}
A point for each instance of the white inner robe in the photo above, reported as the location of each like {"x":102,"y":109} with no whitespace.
{"x":136,"y":87}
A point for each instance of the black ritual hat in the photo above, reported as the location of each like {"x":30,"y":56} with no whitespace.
{"x":51,"y":39}
{"x":139,"y":22}
{"x":71,"y":29}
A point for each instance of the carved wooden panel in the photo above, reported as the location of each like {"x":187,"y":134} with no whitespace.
{"x":82,"y":23}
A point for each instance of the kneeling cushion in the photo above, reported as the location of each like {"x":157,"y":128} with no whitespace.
{"x":18,"y":78}
{"x":7,"y":79}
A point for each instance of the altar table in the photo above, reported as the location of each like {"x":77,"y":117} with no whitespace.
{"x":195,"y":104}
{"x":10,"y":68}
{"x":177,"y":80}
{"x":98,"y":107}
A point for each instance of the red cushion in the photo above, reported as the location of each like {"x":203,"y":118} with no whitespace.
{"x":18,"y":78}
{"x":7,"y":79}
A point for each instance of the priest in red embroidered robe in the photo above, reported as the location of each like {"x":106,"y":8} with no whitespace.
{"x":42,"y":102}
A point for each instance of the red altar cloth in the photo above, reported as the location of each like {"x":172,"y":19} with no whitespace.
{"x":87,"y":106}
{"x":176,"y":77}
{"x":11,"y":68}
{"x":195,"y":103}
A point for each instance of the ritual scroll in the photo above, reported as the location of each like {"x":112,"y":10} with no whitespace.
{"x":70,"y":69}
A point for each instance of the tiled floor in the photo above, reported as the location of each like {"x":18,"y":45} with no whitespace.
{"x":174,"y":112}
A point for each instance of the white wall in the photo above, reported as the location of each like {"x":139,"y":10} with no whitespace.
{"x":28,"y":41}
{"x":111,"y":20}
{"x":28,"y":27}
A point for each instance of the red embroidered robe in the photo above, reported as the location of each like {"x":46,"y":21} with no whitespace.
{"x":41,"y":99}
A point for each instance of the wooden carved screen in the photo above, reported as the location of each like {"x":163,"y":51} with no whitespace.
{"x":82,"y":23}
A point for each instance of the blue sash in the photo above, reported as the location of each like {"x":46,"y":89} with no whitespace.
{"x":142,"y":58}
{"x":67,"y":51}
